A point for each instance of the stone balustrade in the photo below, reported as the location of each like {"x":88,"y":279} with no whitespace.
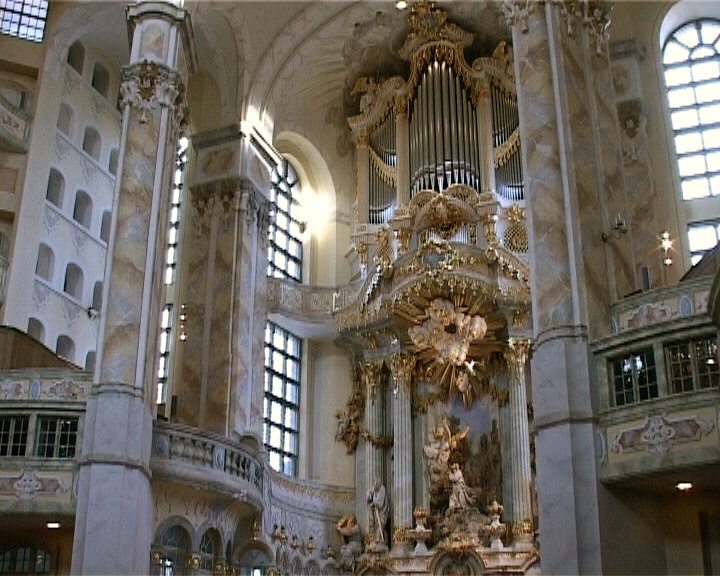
{"x":185,"y":453}
{"x":14,"y":127}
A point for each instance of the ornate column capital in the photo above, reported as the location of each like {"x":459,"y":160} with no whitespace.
{"x":593,"y":15}
{"x":204,"y":197}
{"x":518,"y":12}
{"x":516,"y":355}
{"x":371,"y":373}
{"x":150,"y":85}
{"x":401,"y":367}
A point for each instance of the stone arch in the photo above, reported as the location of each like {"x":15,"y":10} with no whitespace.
{"x":65,"y":347}
{"x":36,"y":329}
{"x":45,"y":266}
{"x":446,"y":563}
{"x":65,"y":119}
{"x":76,"y":56}
{"x":74,"y":279}
{"x":101,"y":79}
{"x":92,"y":142}
{"x":55,"y":188}
{"x":83,"y":208}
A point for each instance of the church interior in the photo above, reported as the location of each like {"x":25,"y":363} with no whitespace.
{"x":359,"y":287}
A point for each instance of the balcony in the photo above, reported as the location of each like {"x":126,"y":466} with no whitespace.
{"x":41,"y":417}
{"x":219,"y":463}
{"x":14,"y":127}
{"x":658,"y":379}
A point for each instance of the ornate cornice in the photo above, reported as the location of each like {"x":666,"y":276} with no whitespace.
{"x":148,"y":86}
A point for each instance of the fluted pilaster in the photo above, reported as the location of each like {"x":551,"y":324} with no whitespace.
{"x":521,"y":511}
{"x":374,"y":410}
{"x":402,"y":366}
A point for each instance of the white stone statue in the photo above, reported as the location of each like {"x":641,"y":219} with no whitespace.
{"x":460,"y":498}
{"x":378,"y":511}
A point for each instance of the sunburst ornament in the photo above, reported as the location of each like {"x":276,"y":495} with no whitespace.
{"x":447,"y":333}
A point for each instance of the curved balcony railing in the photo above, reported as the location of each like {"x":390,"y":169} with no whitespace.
{"x":4,"y":273}
{"x":189,"y":454}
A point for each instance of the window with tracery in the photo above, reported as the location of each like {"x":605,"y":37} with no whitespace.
{"x":691,"y":59}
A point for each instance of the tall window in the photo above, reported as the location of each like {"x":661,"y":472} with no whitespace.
{"x":24,"y":18}
{"x":285,"y":246}
{"x":282,"y":397}
{"x":164,"y":347}
{"x":175,"y":204}
{"x":692,"y":73}
{"x":283,"y":350}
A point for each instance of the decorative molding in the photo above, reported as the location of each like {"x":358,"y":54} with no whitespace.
{"x":518,"y":12}
{"x":402,"y":367}
{"x":593,"y":15}
{"x":658,"y":434}
{"x":28,"y":485}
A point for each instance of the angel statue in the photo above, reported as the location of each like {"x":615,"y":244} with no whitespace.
{"x":437,"y":451}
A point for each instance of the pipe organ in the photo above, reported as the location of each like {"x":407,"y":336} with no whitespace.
{"x":449,"y":124}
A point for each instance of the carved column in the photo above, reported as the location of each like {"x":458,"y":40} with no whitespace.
{"x":374,"y":412}
{"x":113,"y":522}
{"x":362,"y":153}
{"x":401,"y":366}
{"x":520,"y":474}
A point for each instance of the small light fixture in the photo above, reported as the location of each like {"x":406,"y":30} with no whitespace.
{"x":52,"y":525}
{"x":684,"y":486}
{"x":183,"y":319}
{"x":401,"y":4}
{"x":666,"y":245}
{"x":618,"y":230}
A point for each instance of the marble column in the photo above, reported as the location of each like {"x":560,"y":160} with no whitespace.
{"x":374,"y":411}
{"x":113,"y":522}
{"x":520,"y":517}
{"x":569,"y":170}
{"x":401,"y":367}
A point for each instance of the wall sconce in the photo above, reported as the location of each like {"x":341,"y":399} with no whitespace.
{"x":295,"y":544}
{"x":310,"y":546}
{"x":666,"y":245}
{"x":256,"y":529}
{"x":279,"y":535}
{"x":92,"y":312}
{"x":619,"y":229}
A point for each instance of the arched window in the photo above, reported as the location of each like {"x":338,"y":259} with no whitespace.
{"x":36,"y":329}
{"x":73,"y":285}
{"x":105,"y":226}
{"x":55,"y":188}
{"x":113,"y":162}
{"x":65,"y":119}
{"x":82,"y":212}
{"x":97,"y":296}
{"x":92,"y":142}
{"x":65,"y":347}
{"x":101,"y":79}
{"x":45,"y":267}
{"x":25,"y":560}
{"x":210,"y":548}
{"x":691,"y":57}
{"x":175,"y":542}
{"x":76,"y":57}
{"x":90,"y":360}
